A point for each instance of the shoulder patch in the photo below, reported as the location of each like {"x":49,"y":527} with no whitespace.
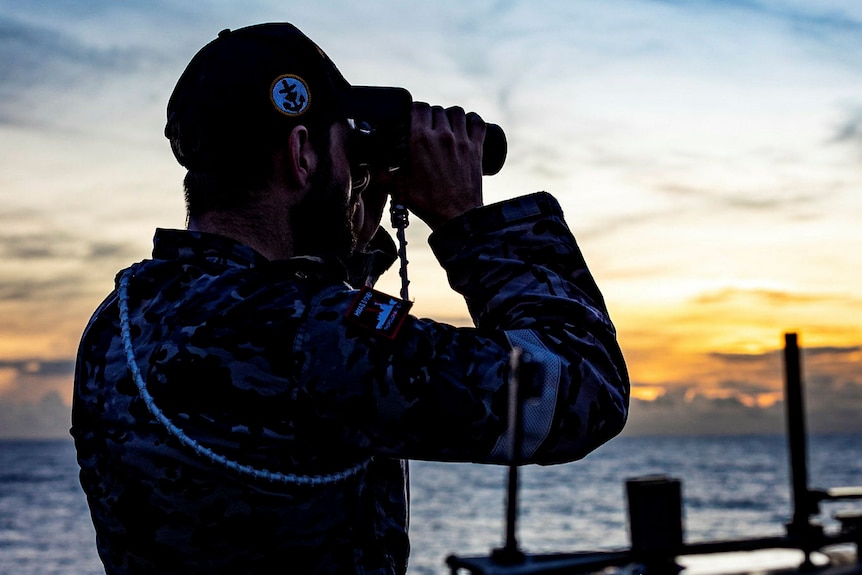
{"x":377,"y":312}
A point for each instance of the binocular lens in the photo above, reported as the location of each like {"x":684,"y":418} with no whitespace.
{"x":494,"y":149}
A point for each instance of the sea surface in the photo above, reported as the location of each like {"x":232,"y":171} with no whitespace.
{"x":732,"y":487}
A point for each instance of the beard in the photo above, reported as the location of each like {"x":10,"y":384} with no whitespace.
{"x":322,"y":222}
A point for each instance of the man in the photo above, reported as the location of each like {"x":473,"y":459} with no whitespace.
{"x":244,"y":402}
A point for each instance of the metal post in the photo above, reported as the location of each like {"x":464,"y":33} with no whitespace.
{"x":510,"y":554}
{"x":655,"y":521}
{"x":804,"y":504}
{"x":796,"y":433}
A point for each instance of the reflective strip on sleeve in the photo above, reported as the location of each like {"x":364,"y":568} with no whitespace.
{"x":537,"y":409}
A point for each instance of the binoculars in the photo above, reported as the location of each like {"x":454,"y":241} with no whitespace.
{"x":381,"y":135}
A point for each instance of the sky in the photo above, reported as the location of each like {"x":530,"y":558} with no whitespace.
{"x":707,"y":155}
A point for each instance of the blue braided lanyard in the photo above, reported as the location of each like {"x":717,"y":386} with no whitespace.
{"x":179,"y":434}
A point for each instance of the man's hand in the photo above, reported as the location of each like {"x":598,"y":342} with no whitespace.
{"x":445,"y":177}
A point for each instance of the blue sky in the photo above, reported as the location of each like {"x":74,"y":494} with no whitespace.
{"x":708,"y":156}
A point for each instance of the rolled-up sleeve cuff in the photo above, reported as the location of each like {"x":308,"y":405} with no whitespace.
{"x":451,"y":236}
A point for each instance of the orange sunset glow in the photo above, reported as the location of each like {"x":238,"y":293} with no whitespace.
{"x":707,"y":155}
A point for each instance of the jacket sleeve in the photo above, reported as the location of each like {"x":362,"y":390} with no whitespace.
{"x":440,"y":392}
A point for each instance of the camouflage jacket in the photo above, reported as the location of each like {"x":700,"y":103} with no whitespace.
{"x":284,"y":425}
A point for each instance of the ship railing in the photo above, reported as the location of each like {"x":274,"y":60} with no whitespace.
{"x":655,"y":511}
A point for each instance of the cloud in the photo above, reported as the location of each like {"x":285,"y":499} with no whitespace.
{"x":815,"y":19}
{"x":35,"y":398}
{"x":833,"y":351}
{"x":767,"y":297}
{"x":47,"y":69}
{"x":849,"y":131}
{"x":42,"y":261}
{"x":626,"y":223}
{"x":676,"y":414}
{"x":36,"y":368}
{"x":767,"y":199}
{"x":30,"y":245}
{"x":75,"y":280}
{"x":743,"y":358}
{"x":752,"y":402}
{"x":59,"y":245}
{"x":628,"y":102}
{"x":673,"y":414}
{"x":47,"y":418}
{"x":29,"y":289}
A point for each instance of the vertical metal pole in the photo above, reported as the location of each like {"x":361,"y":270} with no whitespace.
{"x":796,"y":433}
{"x":510,"y":553}
{"x":804,"y":503}
{"x":515,"y":452}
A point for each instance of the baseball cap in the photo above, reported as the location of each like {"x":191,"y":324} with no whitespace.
{"x":247,"y":89}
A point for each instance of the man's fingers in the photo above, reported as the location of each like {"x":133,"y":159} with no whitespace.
{"x":475,"y":127}
{"x":421,"y":116}
{"x":439,"y":118}
{"x":457,"y":121}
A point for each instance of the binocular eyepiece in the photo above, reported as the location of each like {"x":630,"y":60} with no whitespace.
{"x":381,"y":136}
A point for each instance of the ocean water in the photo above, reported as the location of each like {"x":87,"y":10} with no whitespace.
{"x":732,"y":487}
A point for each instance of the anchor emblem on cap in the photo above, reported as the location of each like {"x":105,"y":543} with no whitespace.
{"x":290,"y":95}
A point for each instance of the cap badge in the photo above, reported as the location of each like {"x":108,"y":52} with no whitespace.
{"x":290,"y":95}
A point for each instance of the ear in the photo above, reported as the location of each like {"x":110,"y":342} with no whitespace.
{"x":296,"y":161}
